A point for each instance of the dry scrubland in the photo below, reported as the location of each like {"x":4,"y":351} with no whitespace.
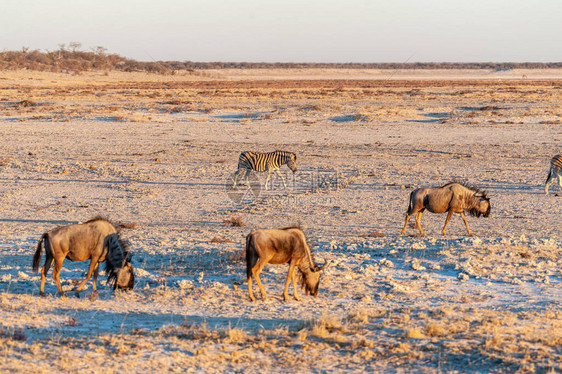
{"x":156,"y":151}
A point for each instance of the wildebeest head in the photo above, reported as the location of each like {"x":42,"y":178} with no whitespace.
{"x":484,"y":205}
{"x":292,"y":164}
{"x":311,"y":279}
{"x":122,"y":278}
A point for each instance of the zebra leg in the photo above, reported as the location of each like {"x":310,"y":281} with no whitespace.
{"x":267,"y":179}
{"x":236,"y":174}
{"x":246,"y":176}
{"x":281,"y":175}
{"x":560,"y":180}
{"x":449,"y":215}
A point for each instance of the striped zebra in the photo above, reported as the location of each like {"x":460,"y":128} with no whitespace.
{"x":270,"y":161}
{"x":555,"y":171}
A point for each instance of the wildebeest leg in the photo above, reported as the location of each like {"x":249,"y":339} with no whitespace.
{"x":290,"y":276}
{"x":91,"y":268}
{"x":295,"y":289}
{"x":449,"y":215}
{"x":44,"y":271}
{"x":96,"y":272}
{"x":408,"y":216}
{"x":418,"y":222}
{"x":465,"y":223}
{"x":256,"y":270}
{"x":250,"y":289}
{"x":56,"y":275}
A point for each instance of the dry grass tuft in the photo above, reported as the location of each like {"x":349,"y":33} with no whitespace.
{"x":234,"y":222}
{"x":221,"y":239}
{"x":414,"y":333}
{"x":236,"y":336}
{"x":374,"y":234}
{"x":128,"y":225}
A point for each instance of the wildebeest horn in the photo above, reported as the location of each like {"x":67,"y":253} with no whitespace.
{"x":320,"y":268}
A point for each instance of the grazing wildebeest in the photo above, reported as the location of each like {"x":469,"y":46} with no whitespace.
{"x":554,"y":171}
{"x":282,"y":246}
{"x":452,"y":198}
{"x":97,"y":240}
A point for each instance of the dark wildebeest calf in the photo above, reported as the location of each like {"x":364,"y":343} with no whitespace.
{"x":452,"y":198}
{"x":96,"y":240}
{"x":283,"y":246}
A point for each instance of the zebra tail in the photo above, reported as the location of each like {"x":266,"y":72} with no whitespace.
{"x":549,"y":175}
{"x":37,"y":256}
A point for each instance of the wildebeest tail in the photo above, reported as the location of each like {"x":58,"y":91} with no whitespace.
{"x":37,"y":256}
{"x":251,"y":257}
{"x":411,"y":203}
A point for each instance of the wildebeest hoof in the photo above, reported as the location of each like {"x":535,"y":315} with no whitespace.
{"x":42,"y":294}
{"x":77,"y":295}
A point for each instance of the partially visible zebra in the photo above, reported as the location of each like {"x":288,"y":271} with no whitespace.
{"x":555,"y":171}
{"x":270,"y":161}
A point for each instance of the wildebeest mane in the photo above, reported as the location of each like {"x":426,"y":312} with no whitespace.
{"x":470,"y":187}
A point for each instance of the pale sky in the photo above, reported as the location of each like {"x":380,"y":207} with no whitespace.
{"x":292,"y":30}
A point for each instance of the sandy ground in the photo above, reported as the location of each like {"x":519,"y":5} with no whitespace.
{"x":159,"y":151}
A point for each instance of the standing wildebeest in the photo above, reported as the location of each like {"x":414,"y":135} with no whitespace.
{"x":270,"y":161}
{"x":96,"y":240}
{"x":452,"y":198}
{"x":555,"y":171}
{"x":282,"y":246}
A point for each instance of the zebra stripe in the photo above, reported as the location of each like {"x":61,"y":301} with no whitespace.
{"x":555,"y":171}
{"x":270,"y":161}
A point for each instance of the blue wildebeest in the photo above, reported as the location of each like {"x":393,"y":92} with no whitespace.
{"x":282,"y":246}
{"x":97,"y":240}
{"x":454,"y":197}
{"x":554,"y":172}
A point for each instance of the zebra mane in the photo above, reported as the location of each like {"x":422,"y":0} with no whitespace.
{"x":286,"y":153}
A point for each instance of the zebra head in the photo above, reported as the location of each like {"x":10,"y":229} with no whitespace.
{"x":292,"y":163}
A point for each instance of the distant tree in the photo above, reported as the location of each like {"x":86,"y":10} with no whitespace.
{"x":99,"y":50}
{"x":74,"y":46}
